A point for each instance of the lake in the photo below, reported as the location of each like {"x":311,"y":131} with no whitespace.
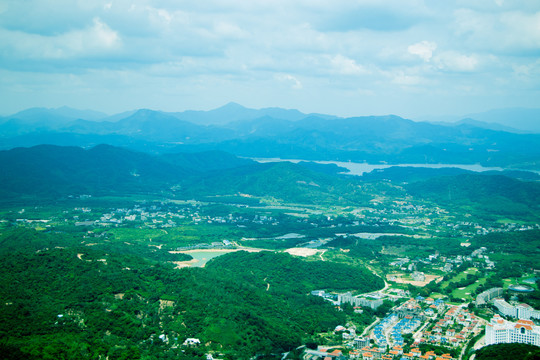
{"x":361,"y":168}
{"x":201,"y":257}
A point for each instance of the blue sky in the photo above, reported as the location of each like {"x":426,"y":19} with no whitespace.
{"x":343,"y":57}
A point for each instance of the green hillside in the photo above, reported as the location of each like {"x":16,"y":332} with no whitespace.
{"x":69,"y":301}
{"x":509,"y":351}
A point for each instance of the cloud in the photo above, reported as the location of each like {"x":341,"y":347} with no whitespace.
{"x":296,"y":84}
{"x":423,"y":49}
{"x":327,"y":49}
{"x":344,"y":65}
{"x":402,"y":78}
{"x":369,"y":15}
{"x":92,"y":41}
{"x":507,"y":32}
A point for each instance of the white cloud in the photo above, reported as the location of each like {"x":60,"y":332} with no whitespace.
{"x":394,"y":47}
{"x":423,"y":49}
{"x":346,"y":66}
{"x":453,"y":61}
{"x":296,"y":84}
{"x":498,"y":32}
{"x":94,"y":40}
{"x":405,"y":79}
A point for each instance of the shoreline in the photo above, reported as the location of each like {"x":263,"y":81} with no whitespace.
{"x":215,"y":250}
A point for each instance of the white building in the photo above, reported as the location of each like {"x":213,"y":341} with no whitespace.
{"x":500,"y":331}
{"x":505,"y":308}
{"x":525,"y":311}
{"x":488,"y":295}
{"x":358,"y":301}
{"x":520,"y":311}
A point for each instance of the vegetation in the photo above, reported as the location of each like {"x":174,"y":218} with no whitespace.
{"x":90,"y":241}
{"x":509,"y":351}
{"x":109,"y":303}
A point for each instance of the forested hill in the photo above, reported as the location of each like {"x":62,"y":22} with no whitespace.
{"x":283,"y":180}
{"x":509,"y":351}
{"x":496,"y":194}
{"x":53,"y":171}
{"x":282,"y":271}
{"x":48,"y":170}
{"x":76,"y":302}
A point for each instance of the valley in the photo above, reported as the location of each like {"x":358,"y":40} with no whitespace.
{"x":370,"y":242}
{"x":128,"y":245}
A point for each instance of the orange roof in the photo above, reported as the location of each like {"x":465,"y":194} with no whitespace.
{"x":367,"y":355}
{"x":526,"y":322}
{"x":527,"y":327}
{"x":335,"y":353}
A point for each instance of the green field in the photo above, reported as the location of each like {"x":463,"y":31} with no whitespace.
{"x":465,"y":293}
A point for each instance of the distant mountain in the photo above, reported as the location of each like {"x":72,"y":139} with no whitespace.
{"x":79,"y":114}
{"x":508,"y":119}
{"x":517,"y":118}
{"x":485,"y":125}
{"x":281,"y":133}
{"x":232,"y":112}
{"x":63,"y":113}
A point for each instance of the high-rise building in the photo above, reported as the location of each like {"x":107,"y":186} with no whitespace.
{"x":500,"y":331}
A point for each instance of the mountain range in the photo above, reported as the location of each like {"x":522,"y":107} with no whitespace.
{"x":275,"y":132}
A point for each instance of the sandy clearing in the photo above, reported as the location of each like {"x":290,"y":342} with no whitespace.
{"x":302,"y":251}
{"x":400,"y":280}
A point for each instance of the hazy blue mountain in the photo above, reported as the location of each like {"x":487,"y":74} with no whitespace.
{"x":518,"y":118}
{"x":63,"y":113}
{"x":79,"y":114}
{"x":232,"y":112}
{"x":484,"y":125}
{"x":508,"y":119}
{"x":281,"y":133}
{"x":119,"y":116}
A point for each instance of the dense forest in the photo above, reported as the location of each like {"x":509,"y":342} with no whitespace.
{"x":81,"y":302}
{"x":509,"y":351}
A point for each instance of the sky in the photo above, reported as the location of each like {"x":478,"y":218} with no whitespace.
{"x":340,"y":57}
